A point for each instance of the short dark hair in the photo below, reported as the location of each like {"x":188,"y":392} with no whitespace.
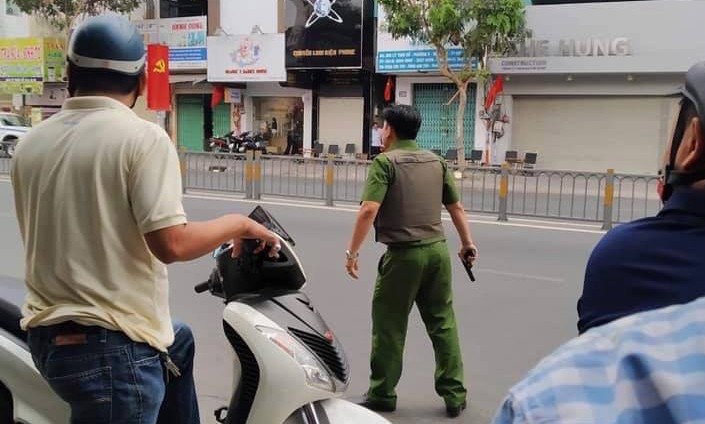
{"x":406,"y":120}
{"x":89,"y":80}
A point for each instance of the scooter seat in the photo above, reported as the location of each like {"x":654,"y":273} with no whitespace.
{"x":10,"y":316}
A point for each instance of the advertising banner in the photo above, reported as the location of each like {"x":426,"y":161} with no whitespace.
{"x":158,"y":92}
{"x":186,"y":38}
{"x":242,"y":58}
{"x":54,"y":60}
{"x":324,"y":34}
{"x":21,"y":65}
{"x":406,"y":55}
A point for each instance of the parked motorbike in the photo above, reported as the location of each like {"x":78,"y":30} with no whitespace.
{"x":293,"y":368}
{"x":247,"y":141}
{"x":223,"y":144}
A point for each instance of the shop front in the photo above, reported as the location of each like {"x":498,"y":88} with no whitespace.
{"x":191,"y":120}
{"x":251,"y":68}
{"x":33,"y":70}
{"x":417,"y":81}
{"x":328,"y":54}
{"x":593,"y":88}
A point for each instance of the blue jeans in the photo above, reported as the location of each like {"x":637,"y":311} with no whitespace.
{"x":107,"y":378}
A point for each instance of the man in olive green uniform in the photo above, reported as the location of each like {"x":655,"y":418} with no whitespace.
{"x":403,"y":198}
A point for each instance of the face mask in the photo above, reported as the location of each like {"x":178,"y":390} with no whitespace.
{"x":660,"y":190}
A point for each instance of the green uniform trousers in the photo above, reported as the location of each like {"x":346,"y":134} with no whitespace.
{"x":421,"y":275}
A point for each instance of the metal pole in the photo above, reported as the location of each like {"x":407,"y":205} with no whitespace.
{"x":609,"y":201}
{"x":184,"y":169}
{"x":257,"y":175}
{"x":503,"y":192}
{"x":249,"y":166}
{"x":330,"y":179}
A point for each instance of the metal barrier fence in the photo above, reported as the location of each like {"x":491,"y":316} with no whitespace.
{"x":4,"y":166}
{"x":587,"y":196}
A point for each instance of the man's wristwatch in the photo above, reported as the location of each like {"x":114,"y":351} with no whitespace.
{"x":351,"y":256}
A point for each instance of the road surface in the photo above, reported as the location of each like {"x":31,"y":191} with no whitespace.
{"x":521,"y":308}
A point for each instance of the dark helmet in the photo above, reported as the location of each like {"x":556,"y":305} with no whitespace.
{"x":694,"y":91}
{"x":250,"y":272}
{"x":108,"y":42}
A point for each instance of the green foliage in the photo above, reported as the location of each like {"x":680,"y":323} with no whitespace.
{"x":481,"y":28}
{"x":61,"y":13}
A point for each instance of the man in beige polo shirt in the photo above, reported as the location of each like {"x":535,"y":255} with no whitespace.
{"x":98,"y":198}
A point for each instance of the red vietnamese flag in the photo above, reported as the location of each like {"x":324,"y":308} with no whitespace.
{"x":218,"y":95}
{"x":158,"y":93}
{"x":496,"y":89}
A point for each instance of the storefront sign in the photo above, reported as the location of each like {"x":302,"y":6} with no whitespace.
{"x":614,"y":38}
{"x":54,"y":60}
{"x":619,"y":46}
{"x":416,"y":60}
{"x":324,"y":34}
{"x":186,"y":38}
{"x":535,"y":55}
{"x":21,"y":65}
{"x":407,"y":55}
{"x":235,"y":96}
{"x":254,"y":57}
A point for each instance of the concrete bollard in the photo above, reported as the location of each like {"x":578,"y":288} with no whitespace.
{"x":607,"y":220}
{"x":330,"y":180}
{"x":503,"y":192}
{"x":249,"y":171}
{"x":184,"y":168}
{"x":257,"y":175}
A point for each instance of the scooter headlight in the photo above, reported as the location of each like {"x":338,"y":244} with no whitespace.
{"x":316,"y":374}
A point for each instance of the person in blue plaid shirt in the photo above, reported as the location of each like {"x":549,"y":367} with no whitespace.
{"x":648,"y":367}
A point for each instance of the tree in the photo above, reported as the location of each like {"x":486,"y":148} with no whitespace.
{"x":481,"y":28}
{"x":62,"y":14}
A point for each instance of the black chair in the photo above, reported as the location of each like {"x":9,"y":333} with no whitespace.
{"x":350,"y":149}
{"x":476,"y":156}
{"x":334,"y":150}
{"x":451,"y":155}
{"x":317,"y":150}
{"x":511,"y":156}
{"x":530,"y":160}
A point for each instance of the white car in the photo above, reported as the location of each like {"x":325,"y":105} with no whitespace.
{"x":12,"y":127}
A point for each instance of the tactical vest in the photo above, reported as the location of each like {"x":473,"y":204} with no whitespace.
{"x":411,"y":210}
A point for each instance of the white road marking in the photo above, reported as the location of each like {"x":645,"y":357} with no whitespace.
{"x":559,"y":226}
{"x":520,"y":276}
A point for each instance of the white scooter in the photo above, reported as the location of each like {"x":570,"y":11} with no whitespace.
{"x":293,"y":369}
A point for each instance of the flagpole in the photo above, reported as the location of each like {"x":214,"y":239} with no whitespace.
{"x":161,"y":114}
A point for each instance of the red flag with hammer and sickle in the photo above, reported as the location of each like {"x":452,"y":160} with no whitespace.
{"x":158,"y":92}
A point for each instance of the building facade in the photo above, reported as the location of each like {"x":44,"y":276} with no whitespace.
{"x":13,"y":24}
{"x":593,"y":87}
{"x":413,"y":69}
{"x":282,"y":69}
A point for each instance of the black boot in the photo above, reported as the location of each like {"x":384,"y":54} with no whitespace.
{"x":455,"y":411}
{"x":375,"y":405}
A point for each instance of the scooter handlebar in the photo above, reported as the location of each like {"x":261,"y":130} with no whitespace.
{"x":203,"y":287}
